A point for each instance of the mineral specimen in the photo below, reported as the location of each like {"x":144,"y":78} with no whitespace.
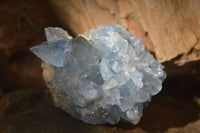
{"x":101,"y":76}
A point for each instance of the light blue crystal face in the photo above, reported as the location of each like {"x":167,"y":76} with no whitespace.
{"x":102,"y":76}
{"x":53,"y":51}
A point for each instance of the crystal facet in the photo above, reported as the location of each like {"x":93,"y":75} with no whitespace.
{"x":101,"y":76}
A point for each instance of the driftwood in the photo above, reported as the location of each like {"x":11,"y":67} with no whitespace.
{"x":168,"y":28}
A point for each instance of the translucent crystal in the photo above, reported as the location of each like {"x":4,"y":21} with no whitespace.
{"x":101,"y":76}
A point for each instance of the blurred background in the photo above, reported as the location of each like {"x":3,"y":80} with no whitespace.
{"x":169,"y":29}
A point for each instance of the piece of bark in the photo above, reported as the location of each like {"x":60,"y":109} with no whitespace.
{"x":168,"y":28}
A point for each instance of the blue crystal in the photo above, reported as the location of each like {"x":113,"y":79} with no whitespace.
{"x":52,"y":52}
{"x":101,"y":76}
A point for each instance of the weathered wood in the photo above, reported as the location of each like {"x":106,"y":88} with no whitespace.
{"x":168,"y":28}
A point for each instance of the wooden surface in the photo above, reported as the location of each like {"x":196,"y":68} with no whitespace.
{"x":169,"y":28}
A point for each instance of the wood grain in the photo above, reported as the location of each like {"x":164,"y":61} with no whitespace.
{"x":168,"y":28}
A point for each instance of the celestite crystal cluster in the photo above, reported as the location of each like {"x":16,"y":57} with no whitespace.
{"x":101,"y":76}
